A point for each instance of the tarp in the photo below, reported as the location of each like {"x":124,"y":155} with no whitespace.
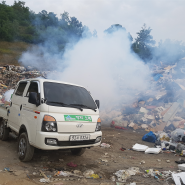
{"x":149,"y":137}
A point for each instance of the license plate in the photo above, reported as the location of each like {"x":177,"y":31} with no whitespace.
{"x":79,"y":138}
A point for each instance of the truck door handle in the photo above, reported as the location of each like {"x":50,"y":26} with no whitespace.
{"x":20,"y":107}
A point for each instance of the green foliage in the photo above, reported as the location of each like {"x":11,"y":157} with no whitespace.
{"x":11,"y":20}
{"x":18,"y":23}
{"x":144,"y":43}
{"x":118,"y":27}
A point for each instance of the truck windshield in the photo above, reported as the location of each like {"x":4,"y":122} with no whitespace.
{"x":63,"y":95}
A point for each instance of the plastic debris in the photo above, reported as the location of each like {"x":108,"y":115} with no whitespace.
{"x":113,"y":178}
{"x":178,"y":177}
{"x":43,"y":180}
{"x":71,"y":164}
{"x":139,"y":147}
{"x":178,"y":135}
{"x":150,"y":137}
{"x":183,"y":153}
{"x":88,"y":173}
{"x":7,"y":169}
{"x":181,"y":167}
{"x":104,"y":145}
{"x":66,"y":174}
{"x":123,"y":149}
{"x":94,"y":176}
{"x":123,"y":175}
{"x":104,"y":160}
{"x":142,"y":162}
{"x":76,"y":172}
{"x":180,"y":162}
{"x":152,"y":151}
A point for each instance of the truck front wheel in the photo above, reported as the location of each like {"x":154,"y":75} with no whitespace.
{"x":78,"y":151}
{"x":4,"y":131}
{"x":25,"y":150}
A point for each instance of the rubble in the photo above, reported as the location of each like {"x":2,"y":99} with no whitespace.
{"x":123,"y":175}
{"x":10,"y":75}
{"x":162,"y":108}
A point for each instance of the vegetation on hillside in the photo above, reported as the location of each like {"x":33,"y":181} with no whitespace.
{"x":19,"y":23}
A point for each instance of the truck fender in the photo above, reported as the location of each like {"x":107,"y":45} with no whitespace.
{"x":22,"y":129}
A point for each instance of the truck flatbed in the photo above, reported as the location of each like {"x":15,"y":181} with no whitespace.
{"x":3,"y":111}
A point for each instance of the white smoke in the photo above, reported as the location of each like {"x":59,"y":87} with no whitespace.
{"x":104,"y":65}
{"x":8,"y":94}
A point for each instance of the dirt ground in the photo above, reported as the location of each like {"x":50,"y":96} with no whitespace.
{"x":117,"y":160}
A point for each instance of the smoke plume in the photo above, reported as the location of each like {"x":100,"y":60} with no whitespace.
{"x":104,"y":65}
{"x":8,"y":94}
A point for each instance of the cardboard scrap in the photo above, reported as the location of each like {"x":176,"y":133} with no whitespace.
{"x":171,"y":112}
{"x":131,"y":124}
{"x":144,"y":126}
{"x":168,"y":68}
{"x":150,"y":99}
{"x":136,"y":127}
{"x":161,"y":126}
{"x":164,"y":112}
{"x":142,"y":109}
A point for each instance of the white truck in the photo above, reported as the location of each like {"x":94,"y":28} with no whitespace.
{"x":51,"y":115}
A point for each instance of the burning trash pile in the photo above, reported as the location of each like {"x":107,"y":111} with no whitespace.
{"x":10,"y":75}
{"x":162,"y":108}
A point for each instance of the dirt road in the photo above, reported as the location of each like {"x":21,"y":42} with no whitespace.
{"x":50,"y":161}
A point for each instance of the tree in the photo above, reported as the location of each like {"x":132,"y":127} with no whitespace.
{"x":144,"y":43}
{"x":114,"y":27}
{"x":118,"y":27}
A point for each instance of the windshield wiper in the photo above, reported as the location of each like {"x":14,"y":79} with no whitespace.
{"x":66,"y":105}
{"x":84,"y":106}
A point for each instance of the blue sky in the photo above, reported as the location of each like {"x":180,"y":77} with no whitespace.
{"x":165,"y":17}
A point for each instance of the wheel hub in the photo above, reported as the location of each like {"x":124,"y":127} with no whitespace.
{"x":22,"y":147}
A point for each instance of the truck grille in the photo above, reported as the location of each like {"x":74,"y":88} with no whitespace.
{"x":76,"y":143}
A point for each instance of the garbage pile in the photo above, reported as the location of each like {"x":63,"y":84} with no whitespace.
{"x":173,"y":142}
{"x":10,"y":75}
{"x":162,"y":108}
{"x":160,"y":176}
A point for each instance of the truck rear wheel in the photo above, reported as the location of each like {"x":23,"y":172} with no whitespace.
{"x":25,"y":150}
{"x":78,"y":151}
{"x":4,"y":131}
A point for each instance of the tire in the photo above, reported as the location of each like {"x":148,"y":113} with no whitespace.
{"x":78,"y":151}
{"x":4,"y":131}
{"x":25,"y":150}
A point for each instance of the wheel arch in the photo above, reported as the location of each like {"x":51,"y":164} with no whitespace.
{"x":22,"y":129}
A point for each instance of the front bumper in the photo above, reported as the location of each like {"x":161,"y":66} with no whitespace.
{"x":63,"y":140}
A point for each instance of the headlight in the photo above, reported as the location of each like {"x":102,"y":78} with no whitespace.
{"x":49,"y":124}
{"x":98,"y":125}
{"x":50,"y":127}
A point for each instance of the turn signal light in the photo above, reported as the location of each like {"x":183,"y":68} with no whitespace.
{"x":99,"y":120}
{"x":49,"y":118}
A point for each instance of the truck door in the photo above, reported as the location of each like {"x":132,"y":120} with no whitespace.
{"x":14,"y":115}
{"x":30,"y":112}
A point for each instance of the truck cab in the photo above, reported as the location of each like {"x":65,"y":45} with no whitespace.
{"x":52,"y":115}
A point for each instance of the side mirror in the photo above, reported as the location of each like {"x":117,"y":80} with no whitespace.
{"x":33,"y":98}
{"x":97,"y":103}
